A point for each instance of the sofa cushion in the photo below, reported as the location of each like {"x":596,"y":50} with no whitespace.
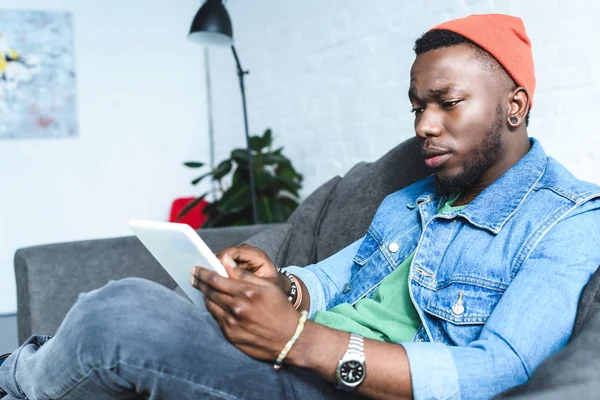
{"x":305,"y":223}
{"x":363,"y":188}
{"x":50,"y":277}
{"x":589,"y":303}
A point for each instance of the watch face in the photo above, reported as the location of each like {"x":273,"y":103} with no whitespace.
{"x":352,"y":372}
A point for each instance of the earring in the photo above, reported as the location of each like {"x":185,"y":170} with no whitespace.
{"x":514,"y":120}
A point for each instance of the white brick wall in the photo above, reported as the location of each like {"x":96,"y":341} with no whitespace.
{"x":331,"y":77}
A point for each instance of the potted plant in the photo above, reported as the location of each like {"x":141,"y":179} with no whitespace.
{"x":276,"y":185}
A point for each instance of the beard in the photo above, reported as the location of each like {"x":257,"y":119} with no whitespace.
{"x":477,"y":162}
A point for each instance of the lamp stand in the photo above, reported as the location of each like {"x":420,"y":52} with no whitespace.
{"x":241,"y":73}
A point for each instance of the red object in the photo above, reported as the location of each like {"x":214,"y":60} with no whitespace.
{"x":194,"y":217}
{"x":504,"y":37}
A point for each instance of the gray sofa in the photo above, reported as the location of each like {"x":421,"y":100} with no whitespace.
{"x":50,"y":277}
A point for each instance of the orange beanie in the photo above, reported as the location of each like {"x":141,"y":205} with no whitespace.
{"x":504,"y":37}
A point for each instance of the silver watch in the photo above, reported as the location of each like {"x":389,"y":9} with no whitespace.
{"x":351,"y":369}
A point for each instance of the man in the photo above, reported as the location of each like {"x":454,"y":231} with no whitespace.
{"x":464,"y":283}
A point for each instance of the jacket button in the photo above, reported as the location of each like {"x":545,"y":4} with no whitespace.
{"x":346,"y":288}
{"x":458,"y":308}
{"x":393,"y":247}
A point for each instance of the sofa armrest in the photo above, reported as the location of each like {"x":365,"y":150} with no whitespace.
{"x":50,"y":277}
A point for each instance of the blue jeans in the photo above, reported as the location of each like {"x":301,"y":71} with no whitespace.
{"x":136,"y":339}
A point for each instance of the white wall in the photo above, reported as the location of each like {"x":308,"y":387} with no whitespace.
{"x":331,"y":76}
{"x":142,"y":112}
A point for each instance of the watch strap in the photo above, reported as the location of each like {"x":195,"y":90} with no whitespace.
{"x":356,"y":352}
{"x":356,"y":346}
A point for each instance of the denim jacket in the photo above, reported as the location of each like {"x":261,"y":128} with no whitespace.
{"x":496,"y":284}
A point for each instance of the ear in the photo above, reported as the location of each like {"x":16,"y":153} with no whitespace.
{"x":519,"y":106}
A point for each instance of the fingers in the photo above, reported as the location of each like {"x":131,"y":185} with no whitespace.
{"x":231,"y":267}
{"x":232,"y":257}
{"x":214,"y":281}
{"x":245,"y":254}
{"x":223,"y":300}
{"x":234,"y":271}
{"x":218,"y":312}
{"x":238,"y":254}
{"x":227,"y":292}
{"x":227,"y":309}
{"x":229,"y":324}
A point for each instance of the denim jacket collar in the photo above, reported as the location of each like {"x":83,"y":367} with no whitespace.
{"x":499,"y":201}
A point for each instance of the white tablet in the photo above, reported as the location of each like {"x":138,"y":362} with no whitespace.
{"x":178,"y":248}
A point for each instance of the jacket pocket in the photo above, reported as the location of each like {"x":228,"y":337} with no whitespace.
{"x":460,"y":310}
{"x":369,"y":268}
{"x":367,"y":250}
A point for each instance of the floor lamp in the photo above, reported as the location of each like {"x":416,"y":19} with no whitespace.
{"x":212,"y":27}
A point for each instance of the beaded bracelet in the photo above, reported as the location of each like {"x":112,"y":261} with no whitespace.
{"x":288,"y":346}
{"x":294,"y":286}
{"x":299,"y":295}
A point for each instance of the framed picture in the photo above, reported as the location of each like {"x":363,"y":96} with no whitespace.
{"x":37,"y":75}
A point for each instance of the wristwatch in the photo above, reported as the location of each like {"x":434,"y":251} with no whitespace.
{"x":351,"y":369}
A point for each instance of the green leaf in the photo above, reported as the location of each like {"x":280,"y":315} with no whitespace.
{"x":289,"y":204}
{"x":271,"y":210}
{"x":235,"y":198}
{"x":288,"y":184}
{"x":197,"y":180}
{"x":275,"y":158}
{"x":193,"y":164}
{"x":222,"y":169}
{"x":240,"y":156}
{"x":267,"y":137}
{"x":263,"y":180}
{"x":264,"y":210}
{"x":211,"y":209}
{"x":230,"y":219}
{"x":280,"y":212}
{"x":190,"y":205}
{"x":240,"y":175}
{"x":257,"y":143}
{"x":287,"y":201}
{"x":286,"y":170}
{"x":214,"y":221}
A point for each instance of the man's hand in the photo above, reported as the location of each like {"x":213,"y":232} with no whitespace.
{"x":257,"y":318}
{"x":255,"y":261}
{"x":252,"y":312}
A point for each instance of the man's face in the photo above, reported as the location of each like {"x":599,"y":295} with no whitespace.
{"x":458,"y":116}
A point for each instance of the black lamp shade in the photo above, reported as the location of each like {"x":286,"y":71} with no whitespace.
{"x":212,"y":25}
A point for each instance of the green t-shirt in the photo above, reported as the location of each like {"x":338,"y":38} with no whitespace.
{"x":390,"y":314}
